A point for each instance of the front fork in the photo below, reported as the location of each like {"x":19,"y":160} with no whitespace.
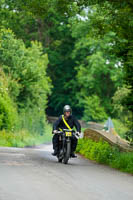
{"x":63,"y":144}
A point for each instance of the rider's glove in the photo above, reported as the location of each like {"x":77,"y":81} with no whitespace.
{"x":78,"y":134}
{"x":54,"y":131}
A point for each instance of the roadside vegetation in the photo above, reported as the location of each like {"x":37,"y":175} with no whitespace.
{"x":120,"y":127}
{"x":103,"y":153}
{"x":24,"y":87}
{"x":24,"y":138}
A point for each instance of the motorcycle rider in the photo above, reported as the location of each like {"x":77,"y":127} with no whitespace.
{"x":59,"y":124}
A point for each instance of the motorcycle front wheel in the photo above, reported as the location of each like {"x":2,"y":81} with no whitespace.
{"x":67,"y":152}
{"x":60,"y":160}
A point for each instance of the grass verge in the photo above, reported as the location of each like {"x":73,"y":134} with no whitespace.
{"x":103,"y":153}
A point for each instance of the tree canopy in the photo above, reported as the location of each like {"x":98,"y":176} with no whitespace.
{"x":84,"y":47}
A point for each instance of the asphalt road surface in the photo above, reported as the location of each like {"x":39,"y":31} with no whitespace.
{"x":34,"y":174}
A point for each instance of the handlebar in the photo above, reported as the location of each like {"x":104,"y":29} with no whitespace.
{"x":76,"y":134}
{"x":67,"y":130}
{"x":64,"y":130}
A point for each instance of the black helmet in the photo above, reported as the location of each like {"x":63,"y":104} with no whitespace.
{"x":67,"y":108}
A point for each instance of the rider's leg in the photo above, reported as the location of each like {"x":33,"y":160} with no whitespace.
{"x":55,"y":141}
{"x":73,"y":146}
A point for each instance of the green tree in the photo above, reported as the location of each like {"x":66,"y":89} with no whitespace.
{"x":93,"y":111}
{"x":119,"y":20}
{"x":87,"y":42}
{"x":47,"y":21}
{"x":99,"y":70}
{"x":30,"y":84}
{"x":120,"y":107}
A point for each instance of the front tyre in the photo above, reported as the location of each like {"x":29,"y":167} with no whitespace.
{"x":67,"y":152}
{"x":60,"y":160}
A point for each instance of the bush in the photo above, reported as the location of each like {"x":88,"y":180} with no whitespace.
{"x":8,"y":111}
{"x":24,"y":138}
{"x":93,"y":111}
{"x":103,"y":153}
{"x":32,"y":120}
{"x":120,"y":127}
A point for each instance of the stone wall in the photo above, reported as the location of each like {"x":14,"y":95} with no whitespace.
{"x":113,"y":140}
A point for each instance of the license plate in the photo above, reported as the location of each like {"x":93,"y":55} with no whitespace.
{"x":68,"y":134}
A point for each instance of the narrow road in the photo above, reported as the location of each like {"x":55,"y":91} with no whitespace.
{"x":34,"y":174}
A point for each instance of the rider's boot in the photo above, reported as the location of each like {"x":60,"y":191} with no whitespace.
{"x":73,"y":155}
{"x":55,"y":152}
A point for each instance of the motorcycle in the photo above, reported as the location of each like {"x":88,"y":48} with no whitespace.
{"x":64,"y":151}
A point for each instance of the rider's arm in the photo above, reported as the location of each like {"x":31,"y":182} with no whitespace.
{"x":77,"y":125}
{"x":56,"y":124}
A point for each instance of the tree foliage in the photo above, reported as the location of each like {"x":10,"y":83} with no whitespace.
{"x":27,"y":82}
{"x":99,"y":70}
{"x":8,"y":110}
{"x":93,"y":110}
{"x":89,"y":47}
{"x":26,"y":68}
{"x":119,"y":20}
